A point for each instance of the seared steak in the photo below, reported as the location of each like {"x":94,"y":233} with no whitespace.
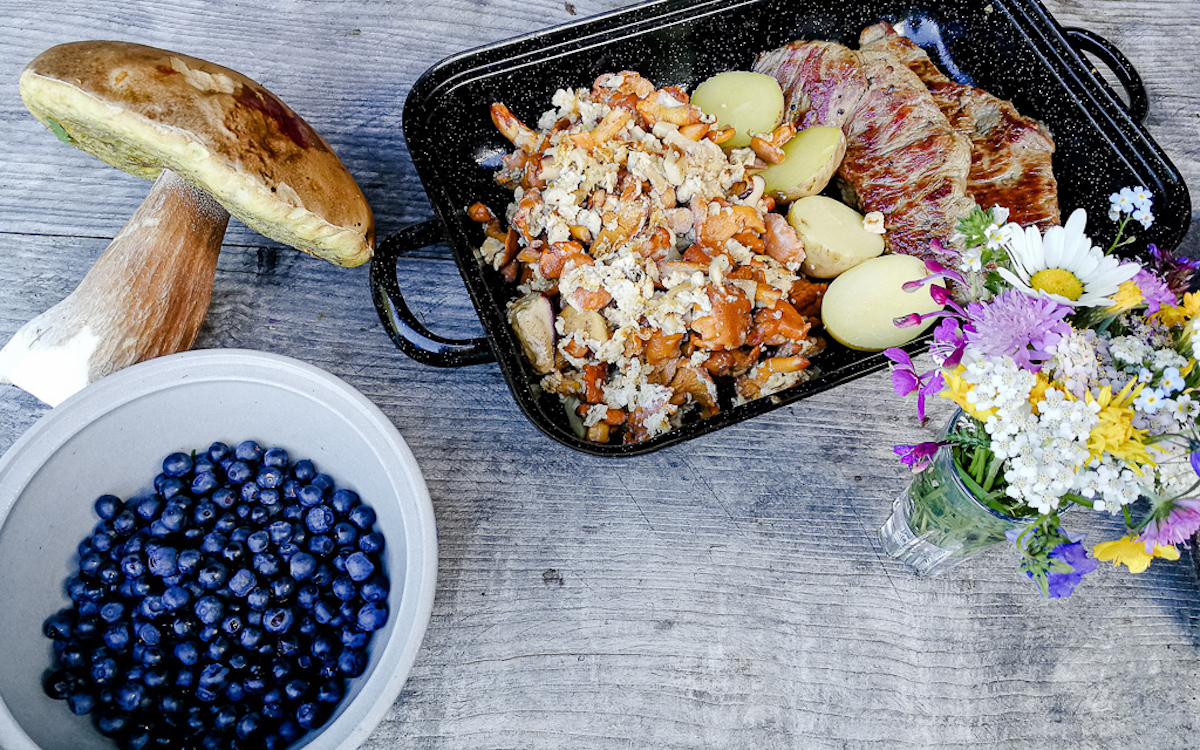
{"x":1010,"y":155}
{"x":903,"y":158}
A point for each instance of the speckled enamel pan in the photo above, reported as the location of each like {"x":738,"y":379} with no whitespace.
{"x":1011,"y":48}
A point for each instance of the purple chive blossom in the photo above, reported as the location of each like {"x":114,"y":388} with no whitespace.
{"x":1176,"y":528}
{"x":917,"y":457}
{"x":1194,"y":459}
{"x":1020,"y":326}
{"x":1154,"y":291}
{"x":1062,"y":584}
{"x":1176,"y":272}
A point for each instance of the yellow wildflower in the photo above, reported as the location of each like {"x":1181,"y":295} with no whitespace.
{"x":1127,"y":297}
{"x":1131,"y":553}
{"x":957,"y":389}
{"x":1176,"y":315}
{"x":1114,"y":432}
{"x":1038,"y":392}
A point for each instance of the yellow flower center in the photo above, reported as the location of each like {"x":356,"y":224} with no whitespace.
{"x":1058,"y":281}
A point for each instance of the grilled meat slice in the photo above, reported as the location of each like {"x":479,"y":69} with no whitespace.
{"x":902,"y":157}
{"x":1010,"y":154}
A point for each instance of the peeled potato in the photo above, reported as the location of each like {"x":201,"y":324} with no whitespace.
{"x":861,"y":305}
{"x":810,"y":159}
{"x":750,"y":103}
{"x":834,"y":238}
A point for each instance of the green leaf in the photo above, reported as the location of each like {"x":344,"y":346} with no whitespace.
{"x":59,"y":131}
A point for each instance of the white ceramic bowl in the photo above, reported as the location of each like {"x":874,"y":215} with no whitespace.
{"x":111,"y":438}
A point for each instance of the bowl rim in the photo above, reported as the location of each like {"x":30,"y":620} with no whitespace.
{"x":22,"y":460}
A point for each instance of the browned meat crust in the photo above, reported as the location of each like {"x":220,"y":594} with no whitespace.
{"x":902,"y":157}
{"x":1010,"y":155}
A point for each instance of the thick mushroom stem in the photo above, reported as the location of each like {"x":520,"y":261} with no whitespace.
{"x":146,"y":296}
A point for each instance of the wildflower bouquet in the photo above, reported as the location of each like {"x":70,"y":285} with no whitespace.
{"x":1077,"y":375}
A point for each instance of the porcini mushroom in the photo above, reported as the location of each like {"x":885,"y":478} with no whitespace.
{"x":215,"y":143}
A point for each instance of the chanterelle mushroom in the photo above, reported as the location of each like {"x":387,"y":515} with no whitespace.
{"x":214,"y":141}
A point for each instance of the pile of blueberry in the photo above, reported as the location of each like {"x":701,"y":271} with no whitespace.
{"x":228,"y":609}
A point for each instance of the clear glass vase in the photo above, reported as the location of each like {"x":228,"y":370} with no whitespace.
{"x":937,"y":522}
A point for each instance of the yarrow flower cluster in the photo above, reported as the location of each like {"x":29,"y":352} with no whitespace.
{"x":1076,"y":373}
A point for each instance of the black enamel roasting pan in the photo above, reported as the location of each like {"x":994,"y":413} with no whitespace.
{"x":1011,"y":48}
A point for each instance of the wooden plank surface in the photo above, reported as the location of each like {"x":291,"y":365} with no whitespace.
{"x":726,"y":593}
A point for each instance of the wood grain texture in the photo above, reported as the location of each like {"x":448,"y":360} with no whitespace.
{"x":726,"y":593}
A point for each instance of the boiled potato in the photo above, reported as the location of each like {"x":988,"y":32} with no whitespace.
{"x":810,"y":159}
{"x":834,"y":237}
{"x":861,"y":305}
{"x":750,"y":103}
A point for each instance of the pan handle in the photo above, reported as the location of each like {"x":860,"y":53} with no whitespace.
{"x":406,"y":332}
{"x":1089,"y":41}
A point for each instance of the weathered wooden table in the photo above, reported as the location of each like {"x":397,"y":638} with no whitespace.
{"x":726,"y":593}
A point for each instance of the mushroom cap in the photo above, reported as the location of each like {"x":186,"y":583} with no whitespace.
{"x":143,"y":110}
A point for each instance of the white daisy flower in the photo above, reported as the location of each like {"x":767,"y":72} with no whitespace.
{"x":1064,"y":266}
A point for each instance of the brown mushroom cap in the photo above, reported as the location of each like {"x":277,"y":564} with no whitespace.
{"x":143,"y":110}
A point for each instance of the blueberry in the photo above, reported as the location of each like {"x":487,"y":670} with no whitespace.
{"x":213,"y":676}
{"x":59,"y":684}
{"x":108,"y":506}
{"x":302,"y":565}
{"x":304,"y":470}
{"x":208,"y":633}
{"x":352,"y":663}
{"x":371,"y":543}
{"x":71,"y":658}
{"x":259,"y":513}
{"x":307,"y":595}
{"x":372,"y":616}
{"x":175,"y":597}
{"x":324,"y":611}
{"x":101,"y":541}
{"x":177,"y":464}
{"x":240,"y":534}
{"x":187,"y":652}
{"x":226,"y":523}
{"x":242,"y":582}
{"x":233,"y":625}
{"x":375,"y":589}
{"x":104,"y":669}
{"x":132,"y":565}
{"x":352,"y":637}
{"x":269,"y":498}
{"x":223,"y":497}
{"x":344,"y":533}
{"x":254,"y":618}
{"x":149,"y":634}
{"x":308,"y":715}
{"x":234,"y":552}
{"x":270,"y":477}
{"x":258,"y":599}
{"x":249,"y":451}
{"x":363,"y":517}
{"x":282,"y":587}
{"x":129,"y":696}
{"x":219,"y":648}
{"x":343,"y":500}
{"x":209,"y":609}
{"x":238,"y":472}
{"x":249,"y":494}
{"x":111,"y":723}
{"x":275,"y":457}
{"x":60,"y":625}
{"x":278,"y":620}
{"x":214,"y":542}
{"x":151,"y":606}
{"x":81,"y":703}
{"x":163,"y":560}
{"x":202,"y":464}
{"x":310,"y":495}
{"x":212,"y":575}
{"x":148,"y":655}
{"x":155,"y":678}
{"x":321,"y":544}
{"x":204,"y":483}
{"x":172,"y":488}
{"x":90,"y":563}
{"x":188,"y":561}
{"x":235,"y":659}
{"x":323,"y":575}
{"x":331,"y":690}
{"x":344,"y":588}
{"x":250,"y":637}
{"x":267,"y":564}
{"x":124,"y":522}
{"x":359,"y":567}
{"x":217,"y":451}
{"x":184,"y":626}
